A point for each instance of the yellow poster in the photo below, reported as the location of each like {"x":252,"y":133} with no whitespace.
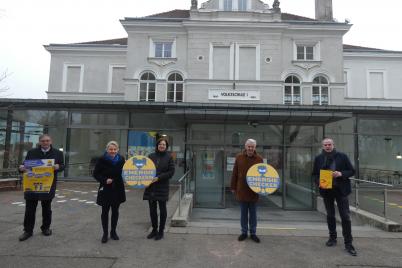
{"x":325,"y":179}
{"x":39,"y":179}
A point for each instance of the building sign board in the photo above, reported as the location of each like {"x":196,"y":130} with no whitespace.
{"x":236,"y":95}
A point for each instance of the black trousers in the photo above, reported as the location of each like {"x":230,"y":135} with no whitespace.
{"x":105,"y":217}
{"x":30,"y":214}
{"x":344,"y":212}
{"x":154,"y":214}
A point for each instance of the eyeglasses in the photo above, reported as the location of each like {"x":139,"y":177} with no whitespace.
{"x":44,"y":140}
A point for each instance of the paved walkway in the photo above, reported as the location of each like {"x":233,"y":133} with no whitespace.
{"x":208,"y":241}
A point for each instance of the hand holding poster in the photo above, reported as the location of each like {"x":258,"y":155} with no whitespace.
{"x":39,"y":176}
{"x":139,"y":171}
{"x":263,"y":179}
{"x":325,"y":179}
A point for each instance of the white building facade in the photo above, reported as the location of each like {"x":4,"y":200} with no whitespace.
{"x":211,"y":77}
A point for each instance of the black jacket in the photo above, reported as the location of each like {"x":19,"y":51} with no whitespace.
{"x":159,"y":190}
{"x":342,"y":164}
{"x":58,"y":159}
{"x":114,"y":193}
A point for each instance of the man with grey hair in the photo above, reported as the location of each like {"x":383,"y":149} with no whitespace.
{"x":339,"y":166}
{"x":43,"y":151}
{"x":243,"y":193}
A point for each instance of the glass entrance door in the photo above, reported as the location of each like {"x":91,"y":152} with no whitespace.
{"x":209,"y":182}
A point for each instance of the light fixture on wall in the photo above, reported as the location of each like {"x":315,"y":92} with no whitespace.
{"x":398,"y":155}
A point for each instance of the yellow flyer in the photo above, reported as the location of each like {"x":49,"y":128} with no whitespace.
{"x":325,"y":179}
{"x":39,"y":180}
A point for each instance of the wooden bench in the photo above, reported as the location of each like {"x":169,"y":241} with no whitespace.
{"x":10,"y":183}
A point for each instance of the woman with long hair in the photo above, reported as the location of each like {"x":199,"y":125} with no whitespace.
{"x":158,"y":192}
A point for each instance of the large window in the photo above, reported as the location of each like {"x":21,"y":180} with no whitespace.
{"x":292,"y":93}
{"x":147,"y":87}
{"x":320,"y":91}
{"x":175,"y":88}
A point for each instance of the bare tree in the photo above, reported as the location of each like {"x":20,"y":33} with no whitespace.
{"x":3,"y":87}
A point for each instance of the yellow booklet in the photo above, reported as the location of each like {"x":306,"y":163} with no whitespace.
{"x":325,"y":179}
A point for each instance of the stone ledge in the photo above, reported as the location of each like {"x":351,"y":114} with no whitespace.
{"x":10,"y":184}
{"x":181,"y":219}
{"x":365,"y":217}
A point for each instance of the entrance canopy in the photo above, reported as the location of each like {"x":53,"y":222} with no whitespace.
{"x":255,"y":116}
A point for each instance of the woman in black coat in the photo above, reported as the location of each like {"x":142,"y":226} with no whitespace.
{"x":111,"y":193}
{"x":158,"y":191}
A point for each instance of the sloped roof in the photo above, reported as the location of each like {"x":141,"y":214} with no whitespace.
{"x":173,"y":14}
{"x":352,"y":48}
{"x":185,"y":14}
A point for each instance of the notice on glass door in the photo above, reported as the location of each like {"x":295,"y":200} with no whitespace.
{"x":208,"y":161}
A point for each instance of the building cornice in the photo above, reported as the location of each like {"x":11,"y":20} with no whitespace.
{"x":85,"y":48}
{"x":372,"y":54}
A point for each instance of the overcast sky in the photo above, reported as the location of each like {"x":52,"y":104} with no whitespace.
{"x":27,"y":25}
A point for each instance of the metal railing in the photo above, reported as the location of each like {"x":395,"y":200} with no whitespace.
{"x":385,"y":193}
{"x":185,"y":179}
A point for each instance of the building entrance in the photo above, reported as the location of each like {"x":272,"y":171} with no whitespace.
{"x":289,"y":149}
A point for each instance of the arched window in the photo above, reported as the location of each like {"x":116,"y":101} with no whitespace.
{"x":292,"y":92}
{"x":147,"y":87}
{"x":175,"y":88}
{"x":320,"y":91}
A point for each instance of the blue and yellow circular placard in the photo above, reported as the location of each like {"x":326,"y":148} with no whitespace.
{"x":139,"y":171}
{"x":263,"y":179}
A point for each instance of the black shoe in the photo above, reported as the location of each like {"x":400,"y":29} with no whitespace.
{"x":242,"y":237}
{"x":25,"y":236}
{"x":350,"y":249}
{"x":255,"y":238}
{"x":152,"y":234}
{"x":159,"y":235}
{"x":331,"y":242}
{"x":47,"y":232}
{"x":114,"y":236}
{"x":104,"y":238}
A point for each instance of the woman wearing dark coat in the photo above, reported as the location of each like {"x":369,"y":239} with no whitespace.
{"x":158,"y":191}
{"x":111,"y":192}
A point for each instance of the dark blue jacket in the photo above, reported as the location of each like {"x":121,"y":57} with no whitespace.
{"x":342,"y":164}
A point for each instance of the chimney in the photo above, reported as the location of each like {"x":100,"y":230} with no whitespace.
{"x":323,"y":10}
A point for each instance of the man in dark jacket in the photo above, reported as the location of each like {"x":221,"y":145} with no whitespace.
{"x":244,"y":194}
{"x":43,"y":151}
{"x":342,"y":170}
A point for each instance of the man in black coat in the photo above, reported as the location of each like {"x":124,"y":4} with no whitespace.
{"x":43,"y":151}
{"x":342,"y":170}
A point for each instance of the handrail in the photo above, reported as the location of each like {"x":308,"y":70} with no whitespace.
{"x":376,"y":183}
{"x":184,"y":177}
{"x":373,"y":182}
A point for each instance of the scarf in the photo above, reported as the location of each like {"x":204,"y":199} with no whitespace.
{"x":113,"y":160}
{"x":329,"y":160}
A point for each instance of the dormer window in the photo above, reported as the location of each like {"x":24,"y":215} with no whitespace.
{"x":234,"y":5}
{"x":242,"y":5}
{"x":227,"y":5}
